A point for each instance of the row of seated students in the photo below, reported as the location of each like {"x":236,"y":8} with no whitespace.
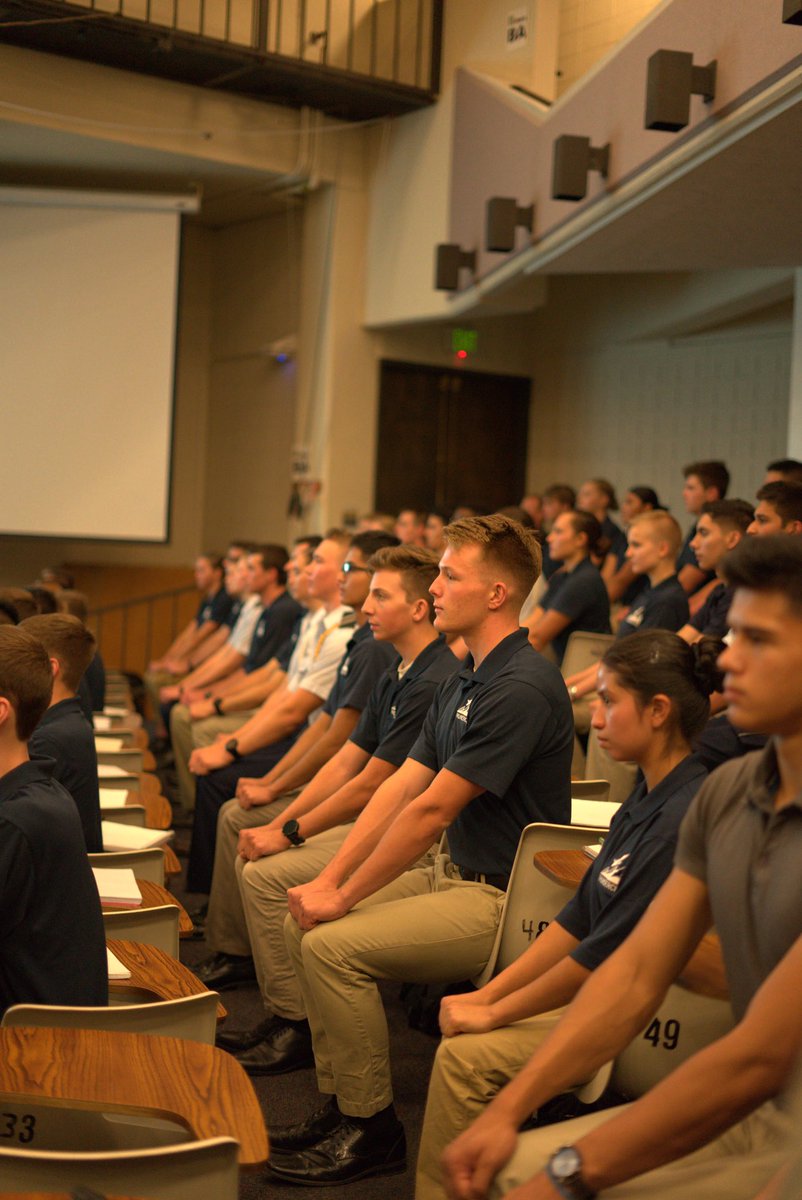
{"x":491,"y":754}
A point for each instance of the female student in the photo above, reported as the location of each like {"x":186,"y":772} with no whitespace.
{"x":653,"y":699}
{"x":576,"y":597}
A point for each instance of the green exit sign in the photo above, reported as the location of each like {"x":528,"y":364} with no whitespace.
{"x":466,"y":340}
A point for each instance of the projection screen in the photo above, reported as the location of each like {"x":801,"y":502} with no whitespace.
{"x":87,"y":326}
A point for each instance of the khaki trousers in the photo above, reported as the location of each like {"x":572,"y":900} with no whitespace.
{"x":154,"y":681}
{"x":467,"y":1073}
{"x":424,"y":927}
{"x":186,"y":735}
{"x":734,"y":1166}
{"x":263,"y":891}
{"x":226,"y":928}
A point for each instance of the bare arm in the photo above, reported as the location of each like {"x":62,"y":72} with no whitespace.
{"x":618,"y":583}
{"x":546,"y":628}
{"x":690,"y":578}
{"x":294,"y":774}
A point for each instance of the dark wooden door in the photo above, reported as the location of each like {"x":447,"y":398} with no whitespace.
{"x":449,"y":437}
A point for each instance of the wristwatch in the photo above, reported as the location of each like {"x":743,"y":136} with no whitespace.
{"x":232,"y":748}
{"x":564,"y":1169}
{"x":292,"y":832}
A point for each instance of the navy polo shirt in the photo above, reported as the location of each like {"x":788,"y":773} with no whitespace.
{"x":712,"y":618}
{"x":233,"y":612}
{"x":687,"y":557}
{"x":508,"y":727}
{"x":662,"y":607}
{"x":214,"y":608}
{"x":95,"y":676}
{"x":616,"y":537}
{"x":52,"y":941}
{"x":65,"y":735}
{"x":274,"y":627}
{"x":635,"y":860}
{"x":720,"y":741}
{"x":397,"y":707}
{"x":286,"y":651}
{"x":360,"y":668}
{"x":581,"y":596}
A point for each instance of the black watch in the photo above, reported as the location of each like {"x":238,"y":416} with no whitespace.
{"x":564,"y":1169}
{"x":292,"y":832}
{"x":218,"y":706}
{"x":232,"y":748}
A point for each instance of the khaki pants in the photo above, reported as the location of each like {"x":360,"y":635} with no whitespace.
{"x":734,"y":1166}
{"x":263,"y":891}
{"x":226,"y":928}
{"x":467,"y":1073}
{"x":186,"y":735}
{"x":154,"y":681}
{"x":424,"y":927}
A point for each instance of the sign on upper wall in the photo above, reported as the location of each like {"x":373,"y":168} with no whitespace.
{"x":517,"y":34}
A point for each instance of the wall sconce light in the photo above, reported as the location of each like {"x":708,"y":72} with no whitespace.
{"x":671,"y":80}
{"x":573,"y":158}
{"x":503,"y":216}
{"x":449,"y":259}
{"x":792,"y":12}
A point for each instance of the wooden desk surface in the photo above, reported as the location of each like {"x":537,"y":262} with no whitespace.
{"x":200,"y":1087}
{"x":55,"y":1196}
{"x":155,"y":896}
{"x":158,"y":813}
{"x":154,"y":975}
{"x":566,"y":867}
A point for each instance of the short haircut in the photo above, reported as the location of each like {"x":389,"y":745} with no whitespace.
{"x":418,"y":514}
{"x":308,"y":543}
{"x":563,"y":493}
{"x":371,"y":540}
{"x":214,"y":559}
{"x":647,"y":495}
{"x":241,"y":544}
{"x":712,"y":473}
{"x":607,"y":489}
{"x":26,"y":680}
{"x":66,"y":639}
{"x":75,"y":603}
{"x":516,"y":513}
{"x":730,"y":514}
{"x":8,"y":613}
{"x":417,"y":567}
{"x":45,"y":600}
{"x":21,"y":600}
{"x":338,"y":535}
{"x":785,"y":497}
{"x":505,"y":544}
{"x":273,"y":557}
{"x":585,"y":522}
{"x":663,"y":527}
{"x":789,"y":468}
{"x":767,"y":564}
{"x":379,"y":520}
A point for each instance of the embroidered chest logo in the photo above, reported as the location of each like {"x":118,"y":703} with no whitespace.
{"x":344,"y":668}
{"x":462,"y":712}
{"x":260,"y":629}
{"x":610,"y":877}
{"x":635,"y":617}
{"x":392,"y":711}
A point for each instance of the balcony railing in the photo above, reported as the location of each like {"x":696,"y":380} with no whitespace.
{"x":351,"y":58}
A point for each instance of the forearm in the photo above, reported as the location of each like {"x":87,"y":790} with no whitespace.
{"x":554,"y":989}
{"x":326,"y":782}
{"x":344,"y":806}
{"x":273,"y":724}
{"x":550,"y":948}
{"x":249,"y":693}
{"x":210,"y":646}
{"x":317,"y":753}
{"x":372,"y":823}
{"x":218,"y":666}
{"x":401,"y":843}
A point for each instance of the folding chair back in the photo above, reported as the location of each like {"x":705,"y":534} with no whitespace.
{"x":193,"y":1018}
{"x":146,"y":864}
{"x":151,"y":926}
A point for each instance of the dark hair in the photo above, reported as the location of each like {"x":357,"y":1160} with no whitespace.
{"x":563,"y":493}
{"x":274,"y":557}
{"x":44,"y":599}
{"x":713,"y":473}
{"x":785,"y":497}
{"x":67,"y":639}
{"x":730,"y":514}
{"x":585,"y":522}
{"x":26,"y":680}
{"x":241,"y":544}
{"x":515,"y":513}
{"x":417,"y":567}
{"x":75,"y":603}
{"x":21,"y":600}
{"x":8,"y":613}
{"x":767,"y":564}
{"x":648,"y":496}
{"x":607,"y":489}
{"x":651,"y":661}
{"x":215,"y":560}
{"x":311,"y":541}
{"x":790,"y":468}
{"x":371,"y":540}
{"x":503,"y":542}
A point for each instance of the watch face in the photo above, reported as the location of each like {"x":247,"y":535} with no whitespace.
{"x":566,"y":1163}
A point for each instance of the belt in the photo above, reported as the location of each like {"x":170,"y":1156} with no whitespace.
{"x":497,"y":881}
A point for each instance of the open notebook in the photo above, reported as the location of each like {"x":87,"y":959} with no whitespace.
{"x":117,"y":887}
{"x":132,"y":837}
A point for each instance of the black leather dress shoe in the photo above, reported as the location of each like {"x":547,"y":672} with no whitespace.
{"x":226,"y":971}
{"x":349,"y":1152}
{"x":287,"y":1046}
{"x":236,"y":1040}
{"x":306,"y":1133}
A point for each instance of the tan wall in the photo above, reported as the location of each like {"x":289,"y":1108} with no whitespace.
{"x":591,"y":28}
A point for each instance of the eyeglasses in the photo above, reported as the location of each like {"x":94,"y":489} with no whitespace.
{"x":349,"y":567}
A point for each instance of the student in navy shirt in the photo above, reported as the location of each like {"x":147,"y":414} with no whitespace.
{"x":653,"y":699}
{"x":721,"y":526}
{"x":705,"y":483}
{"x":576,"y":597}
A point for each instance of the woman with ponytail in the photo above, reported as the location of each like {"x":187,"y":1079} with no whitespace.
{"x":653,"y":700}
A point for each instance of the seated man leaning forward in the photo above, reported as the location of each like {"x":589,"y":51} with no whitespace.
{"x":712,"y":1128}
{"x":494,"y":755}
{"x":52,"y":946}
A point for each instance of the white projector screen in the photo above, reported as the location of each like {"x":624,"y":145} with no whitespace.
{"x":87,"y":335}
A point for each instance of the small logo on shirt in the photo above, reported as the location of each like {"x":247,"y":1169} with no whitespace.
{"x":635,"y":617}
{"x":392,"y":711}
{"x":344,"y":668}
{"x":610,"y":877}
{"x":462,"y":712}
{"x":260,"y":629}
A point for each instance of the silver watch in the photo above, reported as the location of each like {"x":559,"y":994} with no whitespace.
{"x":564,"y":1169}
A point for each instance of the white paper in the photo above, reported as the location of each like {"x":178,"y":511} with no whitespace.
{"x":598,"y":813}
{"x":101,"y":722}
{"x":110,"y":771}
{"x":108,"y":744}
{"x":118,"y":886}
{"x":132,"y":837}
{"x":115,"y":968}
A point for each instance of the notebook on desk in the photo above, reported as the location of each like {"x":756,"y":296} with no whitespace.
{"x":117,"y":836}
{"x":117,"y":887}
{"x":110,"y":771}
{"x":116,"y":969}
